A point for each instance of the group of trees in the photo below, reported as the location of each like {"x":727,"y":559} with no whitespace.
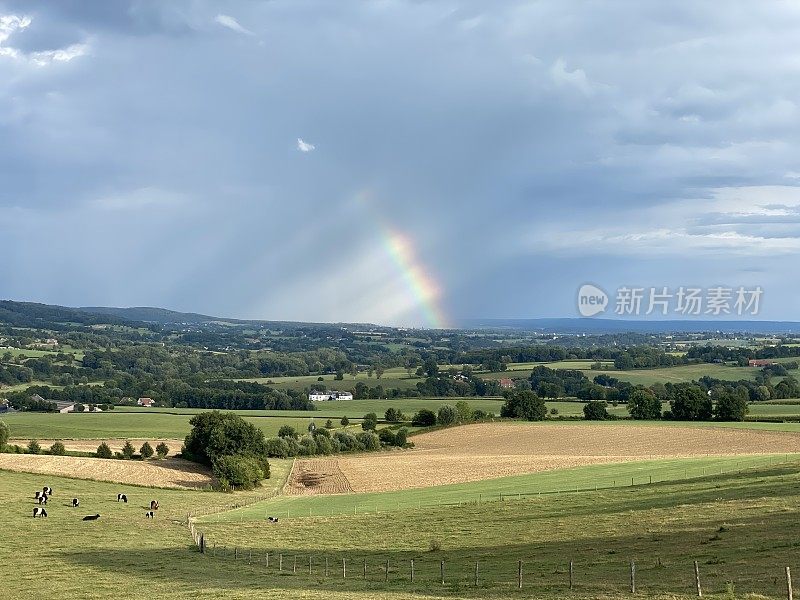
{"x":235,"y":449}
{"x":320,"y":441}
{"x":128,"y":451}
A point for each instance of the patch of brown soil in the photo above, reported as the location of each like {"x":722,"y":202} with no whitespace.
{"x":317,"y":476}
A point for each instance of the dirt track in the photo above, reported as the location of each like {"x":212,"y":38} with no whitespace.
{"x":174,"y":472}
{"x":490,"y":450}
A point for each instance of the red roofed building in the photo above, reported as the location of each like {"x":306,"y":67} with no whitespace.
{"x":146,"y":402}
{"x":506,"y":383}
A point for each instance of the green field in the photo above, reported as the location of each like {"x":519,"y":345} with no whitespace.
{"x":741,"y":527}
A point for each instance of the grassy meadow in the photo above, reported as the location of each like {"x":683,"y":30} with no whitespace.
{"x":741,"y":527}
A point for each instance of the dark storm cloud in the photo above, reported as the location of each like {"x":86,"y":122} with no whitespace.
{"x":256,"y":158}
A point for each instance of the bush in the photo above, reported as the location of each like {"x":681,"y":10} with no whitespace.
{"x":393,"y":415}
{"x":287,"y":431}
{"x":387,"y":437}
{"x":524,"y":404}
{"x":146,"y":450}
{"x":318,"y":433}
{"x":347,"y":441}
{"x":424,"y":418}
{"x":447,"y":415}
{"x":730,"y":407}
{"x":128,"y":450}
{"x":328,"y":424}
{"x":370,"y":422}
{"x":465,"y":412}
{"x":277,"y":448}
{"x":103,"y":451}
{"x":78,"y":408}
{"x":58,"y":449}
{"x":401,"y":437}
{"x":369,"y":440}
{"x":554,"y":411}
{"x":324,"y":445}
{"x":34,"y":447}
{"x":595,"y":411}
{"x":162,"y":450}
{"x":5,"y":434}
{"x":240,"y":471}
{"x":308,"y":446}
{"x":344,"y":422}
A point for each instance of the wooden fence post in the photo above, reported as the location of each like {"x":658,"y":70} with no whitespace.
{"x":412,"y":570}
{"x":386,"y":578}
{"x":365,"y":568}
{"x":202,"y":544}
{"x":571,"y":574}
{"x":326,"y":566}
{"x":441,"y":571}
{"x":294,"y":564}
{"x":633,"y":577}
{"x":310,"y":558}
{"x":697,"y":579}
{"x":344,"y":568}
{"x":519,"y":574}
{"x":235,"y":553}
{"x":789,"y":594}
{"x":476,"y":573}
{"x":267,"y":559}
{"x":280,"y":562}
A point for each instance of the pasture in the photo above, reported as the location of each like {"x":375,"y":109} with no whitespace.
{"x":740,"y":526}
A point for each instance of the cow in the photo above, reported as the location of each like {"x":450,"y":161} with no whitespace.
{"x":39,"y":512}
{"x":122,"y":498}
{"x":273,"y":519}
{"x":150,"y":514}
{"x":75,"y":503}
{"x":91,"y":517}
{"x":37,"y":494}
{"x":42,"y":499}
{"x":153,"y":504}
{"x":47,"y":490}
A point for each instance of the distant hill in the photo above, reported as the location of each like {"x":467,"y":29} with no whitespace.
{"x":32,"y":314}
{"x":601,"y":326}
{"x":150,"y":314}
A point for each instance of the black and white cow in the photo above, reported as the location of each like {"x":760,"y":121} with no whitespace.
{"x":273,"y":519}
{"x":39,"y":512}
{"x":153,"y":504}
{"x":150,"y":514}
{"x":47,"y":490}
{"x":122,"y":498}
{"x":91,"y":517}
{"x":76,"y":502}
{"x":37,"y":495}
{"x":42,"y":499}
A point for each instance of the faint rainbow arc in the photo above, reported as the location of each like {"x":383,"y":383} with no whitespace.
{"x":417,"y":279}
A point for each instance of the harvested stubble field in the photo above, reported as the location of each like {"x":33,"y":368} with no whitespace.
{"x":170,"y":472}
{"x":491,"y":450}
{"x":115,"y":444}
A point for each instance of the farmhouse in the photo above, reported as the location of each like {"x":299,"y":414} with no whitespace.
{"x":316,"y":396}
{"x":761,"y":362}
{"x":506,"y":383}
{"x":63,"y":407}
{"x":146,"y":402}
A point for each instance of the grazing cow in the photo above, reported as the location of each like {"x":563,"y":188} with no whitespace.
{"x":122,"y":498}
{"x":273,"y":519}
{"x":39,"y":512}
{"x":36,"y":495}
{"x":150,"y":514}
{"x":43,"y":499}
{"x":153,"y":504}
{"x":91,"y":517}
{"x":75,"y":502}
{"x":47,"y":490}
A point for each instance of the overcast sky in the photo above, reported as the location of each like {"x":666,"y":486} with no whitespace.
{"x":396,"y":161}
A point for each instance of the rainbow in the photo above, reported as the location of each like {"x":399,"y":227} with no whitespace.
{"x":417,"y":279}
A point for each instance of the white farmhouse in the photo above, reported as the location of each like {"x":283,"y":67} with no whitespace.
{"x":317,"y":396}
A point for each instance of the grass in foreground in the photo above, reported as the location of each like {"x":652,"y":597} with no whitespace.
{"x":741,"y":527}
